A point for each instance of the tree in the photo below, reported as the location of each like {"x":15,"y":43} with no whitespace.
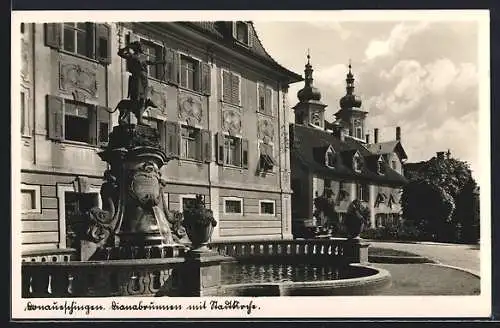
{"x":438,"y":197}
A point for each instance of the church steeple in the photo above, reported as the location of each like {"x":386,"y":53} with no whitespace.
{"x":310,"y":110}
{"x":350,"y":100}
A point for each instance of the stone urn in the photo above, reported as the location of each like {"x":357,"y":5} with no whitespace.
{"x":199,"y":223}
{"x":357,"y":216}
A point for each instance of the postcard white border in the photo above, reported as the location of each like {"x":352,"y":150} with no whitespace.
{"x":312,"y":307}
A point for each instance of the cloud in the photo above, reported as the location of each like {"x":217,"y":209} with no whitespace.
{"x":332,"y":75}
{"x":342,"y":32}
{"x":395,"y":41}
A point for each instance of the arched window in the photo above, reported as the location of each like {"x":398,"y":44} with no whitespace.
{"x":330,"y":158}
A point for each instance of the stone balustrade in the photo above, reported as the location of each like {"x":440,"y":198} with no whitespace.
{"x":140,"y":277}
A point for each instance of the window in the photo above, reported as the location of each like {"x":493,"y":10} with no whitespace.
{"x":358,"y":133}
{"x":265,"y":99}
{"x":330,"y":158}
{"x":76,"y":121}
{"x":76,"y":204}
{"x":267,"y":207}
{"x":189,"y":73}
{"x":267,"y":161}
{"x":84,"y":39}
{"x":233,"y":206}
{"x":357,"y":163}
{"x":154,"y":53}
{"x":232,"y":149}
{"x":380,"y":166}
{"x":187,"y":201}
{"x":70,"y":120}
{"x":393,"y":165}
{"x":241,"y":32}
{"x":363,"y":192}
{"x":77,"y":38}
{"x":30,"y":199}
{"x":231,"y":88}
{"x":190,"y":143}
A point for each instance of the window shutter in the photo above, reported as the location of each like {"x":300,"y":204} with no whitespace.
{"x":172,"y":138}
{"x":226,"y":86}
{"x":93,"y":124}
{"x":205,"y":78}
{"x":103,"y":44}
{"x":220,"y":148}
{"x":206,"y":146}
{"x":91,"y":41}
{"x":55,"y":119}
{"x":102,"y":125}
{"x":53,"y":35}
{"x":268,"y":101}
{"x":244,"y":153}
{"x":171,"y":65}
{"x":235,"y":89}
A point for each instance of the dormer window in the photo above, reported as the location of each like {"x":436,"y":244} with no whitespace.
{"x":330,"y":158}
{"x":357,"y":163}
{"x":380,"y":166}
{"x":241,"y":32}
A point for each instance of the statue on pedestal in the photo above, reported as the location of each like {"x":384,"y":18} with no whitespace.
{"x":138,"y":86}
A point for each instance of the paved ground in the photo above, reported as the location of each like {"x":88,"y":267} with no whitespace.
{"x":463,"y":256}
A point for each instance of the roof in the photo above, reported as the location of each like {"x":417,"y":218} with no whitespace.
{"x":307,"y":140}
{"x":221,"y":31}
{"x":387,"y":147}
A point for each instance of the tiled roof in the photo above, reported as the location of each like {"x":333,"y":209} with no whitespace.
{"x":221,"y":31}
{"x":382,"y":148}
{"x":305,"y":140}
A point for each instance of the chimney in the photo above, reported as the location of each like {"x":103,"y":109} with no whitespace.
{"x":367,"y":138}
{"x":398,"y":133}
{"x":375,"y":135}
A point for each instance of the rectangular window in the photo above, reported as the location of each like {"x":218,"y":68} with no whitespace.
{"x":265,"y":99}
{"x":359,"y":133}
{"x":393,"y":165}
{"x":30,"y":199}
{"x":154,"y":53}
{"x":190,"y":143}
{"x":267,"y":161}
{"x":187,"y":201}
{"x":190,"y":73}
{"x":241,"y":32}
{"x":76,"y":204}
{"x":233,"y":206}
{"x":232,"y":150}
{"x":363,"y":192}
{"x":76,"y":121}
{"x":78,"y":38}
{"x":267,"y":207}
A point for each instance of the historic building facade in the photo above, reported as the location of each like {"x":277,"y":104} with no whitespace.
{"x":221,"y":109}
{"x":336,"y":159}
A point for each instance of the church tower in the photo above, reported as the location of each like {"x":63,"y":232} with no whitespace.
{"x":351,"y":116}
{"x":309,"y":111}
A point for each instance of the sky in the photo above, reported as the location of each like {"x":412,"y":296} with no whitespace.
{"x":419,"y":75}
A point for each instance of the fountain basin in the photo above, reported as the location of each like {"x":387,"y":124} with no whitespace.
{"x":350,"y":280}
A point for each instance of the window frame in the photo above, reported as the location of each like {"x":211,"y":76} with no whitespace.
{"x":61,"y":196}
{"x":88,"y":118}
{"x":357,"y":164}
{"x":239,"y":150}
{"x":197,"y":72}
{"x":36,"y":189}
{"x":330,"y":153}
{"x":75,"y":29}
{"x":239,"y":199}
{"x":197,"y":140}
{"x":363,"y":189}
{"x":150,"y":43}
{"x":230,"y":101}
{"x":264,"y":111}
{"x":235,"y":33}
{"x":181,"y":199}
{"x":269,"y":143}
{"x":272,"y":201}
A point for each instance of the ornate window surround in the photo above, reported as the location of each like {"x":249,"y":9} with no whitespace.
{"x":272,"y":201}
{"x":225,"y":199}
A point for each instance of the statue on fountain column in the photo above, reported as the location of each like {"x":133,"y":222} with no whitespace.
{"x":138,"y":86}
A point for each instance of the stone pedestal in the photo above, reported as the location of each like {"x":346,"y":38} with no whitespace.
{"x":201,"y":273}
{"x":356,"y":250}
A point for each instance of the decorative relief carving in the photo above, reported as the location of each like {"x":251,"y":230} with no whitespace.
{"x":25,"y":61}
{"x":190,"y":108}
{"x":159,"y":98}
{"x":74,"y":76}
{"x":285,"y":140}
{"x":265,"y":130}
{"x":231,"y":121}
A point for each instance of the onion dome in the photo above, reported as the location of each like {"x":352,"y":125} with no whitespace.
{"x":309,"y":92}
{"x":350,"y":100}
